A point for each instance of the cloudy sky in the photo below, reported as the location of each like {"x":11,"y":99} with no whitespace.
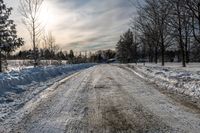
{"x":81,"y":24}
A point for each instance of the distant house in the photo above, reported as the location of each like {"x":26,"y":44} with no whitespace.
{"x":111,"y":60}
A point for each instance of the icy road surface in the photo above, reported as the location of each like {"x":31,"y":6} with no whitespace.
{"x":107,"y":99}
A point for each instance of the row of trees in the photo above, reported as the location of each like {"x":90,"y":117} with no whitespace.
{"x":71,"y":56}
{"x":162,"y":27}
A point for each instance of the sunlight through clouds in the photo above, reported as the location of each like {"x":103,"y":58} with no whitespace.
{"x":48,"y":15}
{"x":83,"y":24}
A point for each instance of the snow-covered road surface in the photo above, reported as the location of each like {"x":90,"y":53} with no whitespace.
{"x":106,"y":99}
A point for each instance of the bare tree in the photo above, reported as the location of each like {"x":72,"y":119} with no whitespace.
{"x":149,"y":35}
{"x":153,"y":19}
{"x":166,"y":26}
{"x":30,"y":10}
{"x":194,"y":7}
{"x":49,"y":43}
{"x":179,"y":21}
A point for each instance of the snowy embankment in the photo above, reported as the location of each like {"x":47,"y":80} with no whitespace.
{"x":14,"y":65}
{"x":14,"y":80}
{"x":174,"y":78}
{"x":18,"y":87}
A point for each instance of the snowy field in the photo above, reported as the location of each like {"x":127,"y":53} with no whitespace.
{"x":19,"y":86}
{"x":21,"y":64}
{"x":192,"y":67}
{"x":173,"y":77}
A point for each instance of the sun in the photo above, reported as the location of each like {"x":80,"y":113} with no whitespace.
{"x":47,"y":16}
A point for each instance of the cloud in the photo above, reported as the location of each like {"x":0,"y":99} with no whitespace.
{"x":89,"y":24}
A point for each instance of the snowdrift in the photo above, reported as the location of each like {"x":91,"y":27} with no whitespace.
{"x":19,"y":87}
{"x":173,"y":79}
{"x":15,"y":80}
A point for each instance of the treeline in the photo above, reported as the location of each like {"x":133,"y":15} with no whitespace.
{"x":163,"y":31}
{"x":71,"y":57}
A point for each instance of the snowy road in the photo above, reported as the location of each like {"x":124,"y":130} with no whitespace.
{"x":108,"y":99}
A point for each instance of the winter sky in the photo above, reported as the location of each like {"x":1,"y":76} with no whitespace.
{"x":81,"y":25}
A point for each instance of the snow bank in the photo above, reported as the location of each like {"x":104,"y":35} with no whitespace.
{"x":172,"y":78}
{"x":16,"y":65}
{"x":14,"y":80}
{"x":19,"y":87}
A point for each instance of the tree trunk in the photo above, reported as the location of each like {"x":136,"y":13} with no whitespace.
{"x":156,"y":55}
{"x":162,"y":50}
{"x":163,"y":54}
{"x":149,"y":53}
{"x":187,"y":43}
{"x":187,"y":53}
{"x":181,"y":43}
{"x":0,"y":62}
{"x":34,"y":45}
{"x":199,"y":16}
{"x":136,"y":58}
{"x":183,"y":55}
{"x":182,"y":49}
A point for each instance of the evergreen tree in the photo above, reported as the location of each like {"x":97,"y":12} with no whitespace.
{"x":124,"y":47}
{"x":60,"y":56}
{"x":8,"y":38}
{"x":71,"y":56}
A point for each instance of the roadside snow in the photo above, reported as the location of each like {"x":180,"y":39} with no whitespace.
{"x":16,"y":65}
{"x":18,"y":87}
{"x":173,"y":77}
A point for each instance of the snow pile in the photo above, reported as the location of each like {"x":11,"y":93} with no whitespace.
{"x":15,"y":80}
{"x":14,"y":65}
{"x":172,"y":78}
{"x":19,"y":87}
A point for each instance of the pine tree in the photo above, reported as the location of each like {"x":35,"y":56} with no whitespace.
{"x":8,"y":38}
{"x":125,"y":47}
{"x":71,"y":56}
